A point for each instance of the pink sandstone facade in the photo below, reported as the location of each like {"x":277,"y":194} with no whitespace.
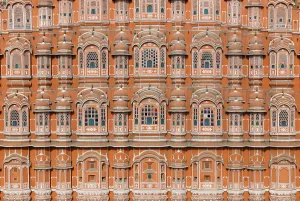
{"x":149,"y":100}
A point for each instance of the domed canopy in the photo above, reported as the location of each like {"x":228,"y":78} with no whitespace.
{"x":65,"y":44}
{"x":121,"y":160}
{"x":255,"y":47}
{"x":121,"y":100}
{"x":121,"y":48}
{"x":178,"y":48}
{"x":256,"y":102}
{"x":235,"y":45}
{"x":235,"y":101}
{"x":63,"y":101}
{"x":178,"y":37}
{"x":44,"y":46}
{"x":121,"y":36}
{"x":235,"y":161}
{"x":42,"y":102}
{"x":178,"y":160}
{"x":178,"y":101}
{"x":42,"y":161}
{"x":45,"y":3}
{"x":178,"y":92}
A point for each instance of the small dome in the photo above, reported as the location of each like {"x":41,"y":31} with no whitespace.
{"x":235,"y":93}
{"x":121,"y":92}
{"x":64,"y":38}
{"x":42,"y":103}
{"x":256,"y":103}
{"x":63,"y":160}
{"x":63,"y":104}
{"x":120,"y":104}
{"x":178,"y":37}
{"x":178,"y":92}
{"x":256,"y":46}
{"x":41,"y":160}
{"x":235,"y":47}
{"x":121,"y":159}
{"x":121,"y":36}
{"x":235,"y":161}
{"x":45,"y":3}
{"x":256,"y":94}
{"x":44,"y":39}
{"x":178,"y":46}
{"x":42,"y":95}
{"x":121,"y":48}
{"x":234,"y":38}
{"x":178,"y":159}
{"x":63,"y":94}
{"x":256,"y":161}
{"x":64,"y":46}
{"x":236,"y":104}
{"x":43,"y":46}
{"x":177,"y":104}
{"x":64,"y":43}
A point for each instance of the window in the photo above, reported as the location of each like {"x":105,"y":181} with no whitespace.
{"x":149,"y":9}
{"x":273,"y":118}
{"x":92,"y":164}
{"x":149,"y":115}
{"x":207,"y":117}
{"x":103,"y":115}
{"x":206,"y":165}
{"x":91,"y":117}
{"x":218,"y":117}
{"x":195,"y":59}
{"x":195,"y":116}
{"x":162,"y":114}
{"x":14,"y":118}
{"x":92,"y":60}
{"x":136,"y":115}
{"x":24,"y":118}
{"x":205,"y":11}
{"x":149,"y":58}
{"x":80,"y":117}
{"x":92,"y":178}
{"x":283,"y":118}
{"x":207,"y":178}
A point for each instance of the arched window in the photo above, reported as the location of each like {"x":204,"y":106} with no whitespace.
{"x":93,"y":10}
{"x":280,"y":16}
{"x":234,"y":12}
{"x":92,"y":60}
{"x":24,"y":118}
{"x":149,"y":115}
{"x":121,"y":10}
{"x":207,"y":117}
{"x":206,"y":60}
{"x":206,"y":10}
{"x":91,"y":117}
{"x":149,"y":58}
{"x":149,"y":9}
{"x":282,"y":107}
{"x":283,"y":118}
{"x":19,"y":16}
{"x":14,"y":118}
{"x":281,"y":59}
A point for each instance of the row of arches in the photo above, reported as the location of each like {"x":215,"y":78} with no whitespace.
{"x":150,"y":56}
{"x":149,"y":114}
{"x":279,"y":12}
